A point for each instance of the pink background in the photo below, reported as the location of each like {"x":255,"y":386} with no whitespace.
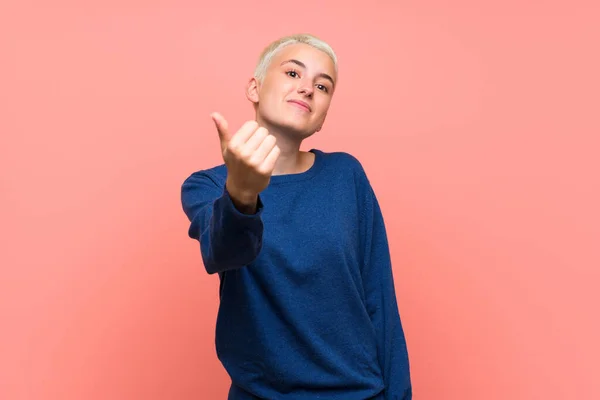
{"x":477,"y":124}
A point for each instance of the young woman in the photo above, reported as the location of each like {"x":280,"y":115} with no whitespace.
{"x":307,"y":302}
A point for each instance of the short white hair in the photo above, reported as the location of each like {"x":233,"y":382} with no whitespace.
{"x":272,"y":49}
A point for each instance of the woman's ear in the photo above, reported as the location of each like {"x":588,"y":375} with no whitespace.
{"x":252,"y":90}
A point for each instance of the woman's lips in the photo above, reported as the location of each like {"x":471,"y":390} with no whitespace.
{"x":301,"y":104}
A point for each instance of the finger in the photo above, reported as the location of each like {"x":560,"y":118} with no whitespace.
{"x":256,"y":140}
{"x":222,"y":126}
{"x":269,"y":164}
{"x":263,"y":150}
{"x":243,"y":134}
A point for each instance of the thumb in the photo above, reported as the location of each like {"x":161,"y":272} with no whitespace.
{"x":222,"y":127}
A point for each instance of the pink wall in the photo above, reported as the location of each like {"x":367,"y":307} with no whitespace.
{"x":478,"y":126}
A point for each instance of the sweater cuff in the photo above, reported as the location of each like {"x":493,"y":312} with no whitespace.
{"x":232,"y":209}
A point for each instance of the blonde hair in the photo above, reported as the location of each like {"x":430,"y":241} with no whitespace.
{"x":272,"y":49}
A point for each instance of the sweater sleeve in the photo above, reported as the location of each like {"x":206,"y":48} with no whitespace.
{"x":228,"y":238}
{"x":380,"y":297}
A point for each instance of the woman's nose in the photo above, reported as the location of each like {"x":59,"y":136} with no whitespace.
{"x":305,"y":89}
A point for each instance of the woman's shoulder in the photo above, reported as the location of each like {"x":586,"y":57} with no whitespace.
{"x":343,"y":160}
{"x":215,"y":175}
{"x":340,"y":157}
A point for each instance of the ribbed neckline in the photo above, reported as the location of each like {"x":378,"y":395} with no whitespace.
{"x":309,"y":173}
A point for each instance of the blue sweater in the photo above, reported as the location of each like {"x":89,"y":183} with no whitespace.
{"x":307,"y":303}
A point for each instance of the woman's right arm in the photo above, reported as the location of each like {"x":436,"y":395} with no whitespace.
{"x":229,"y":237}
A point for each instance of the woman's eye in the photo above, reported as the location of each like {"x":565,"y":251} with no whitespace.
{"x":323,"y":88}
{"x":293,"y":74}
